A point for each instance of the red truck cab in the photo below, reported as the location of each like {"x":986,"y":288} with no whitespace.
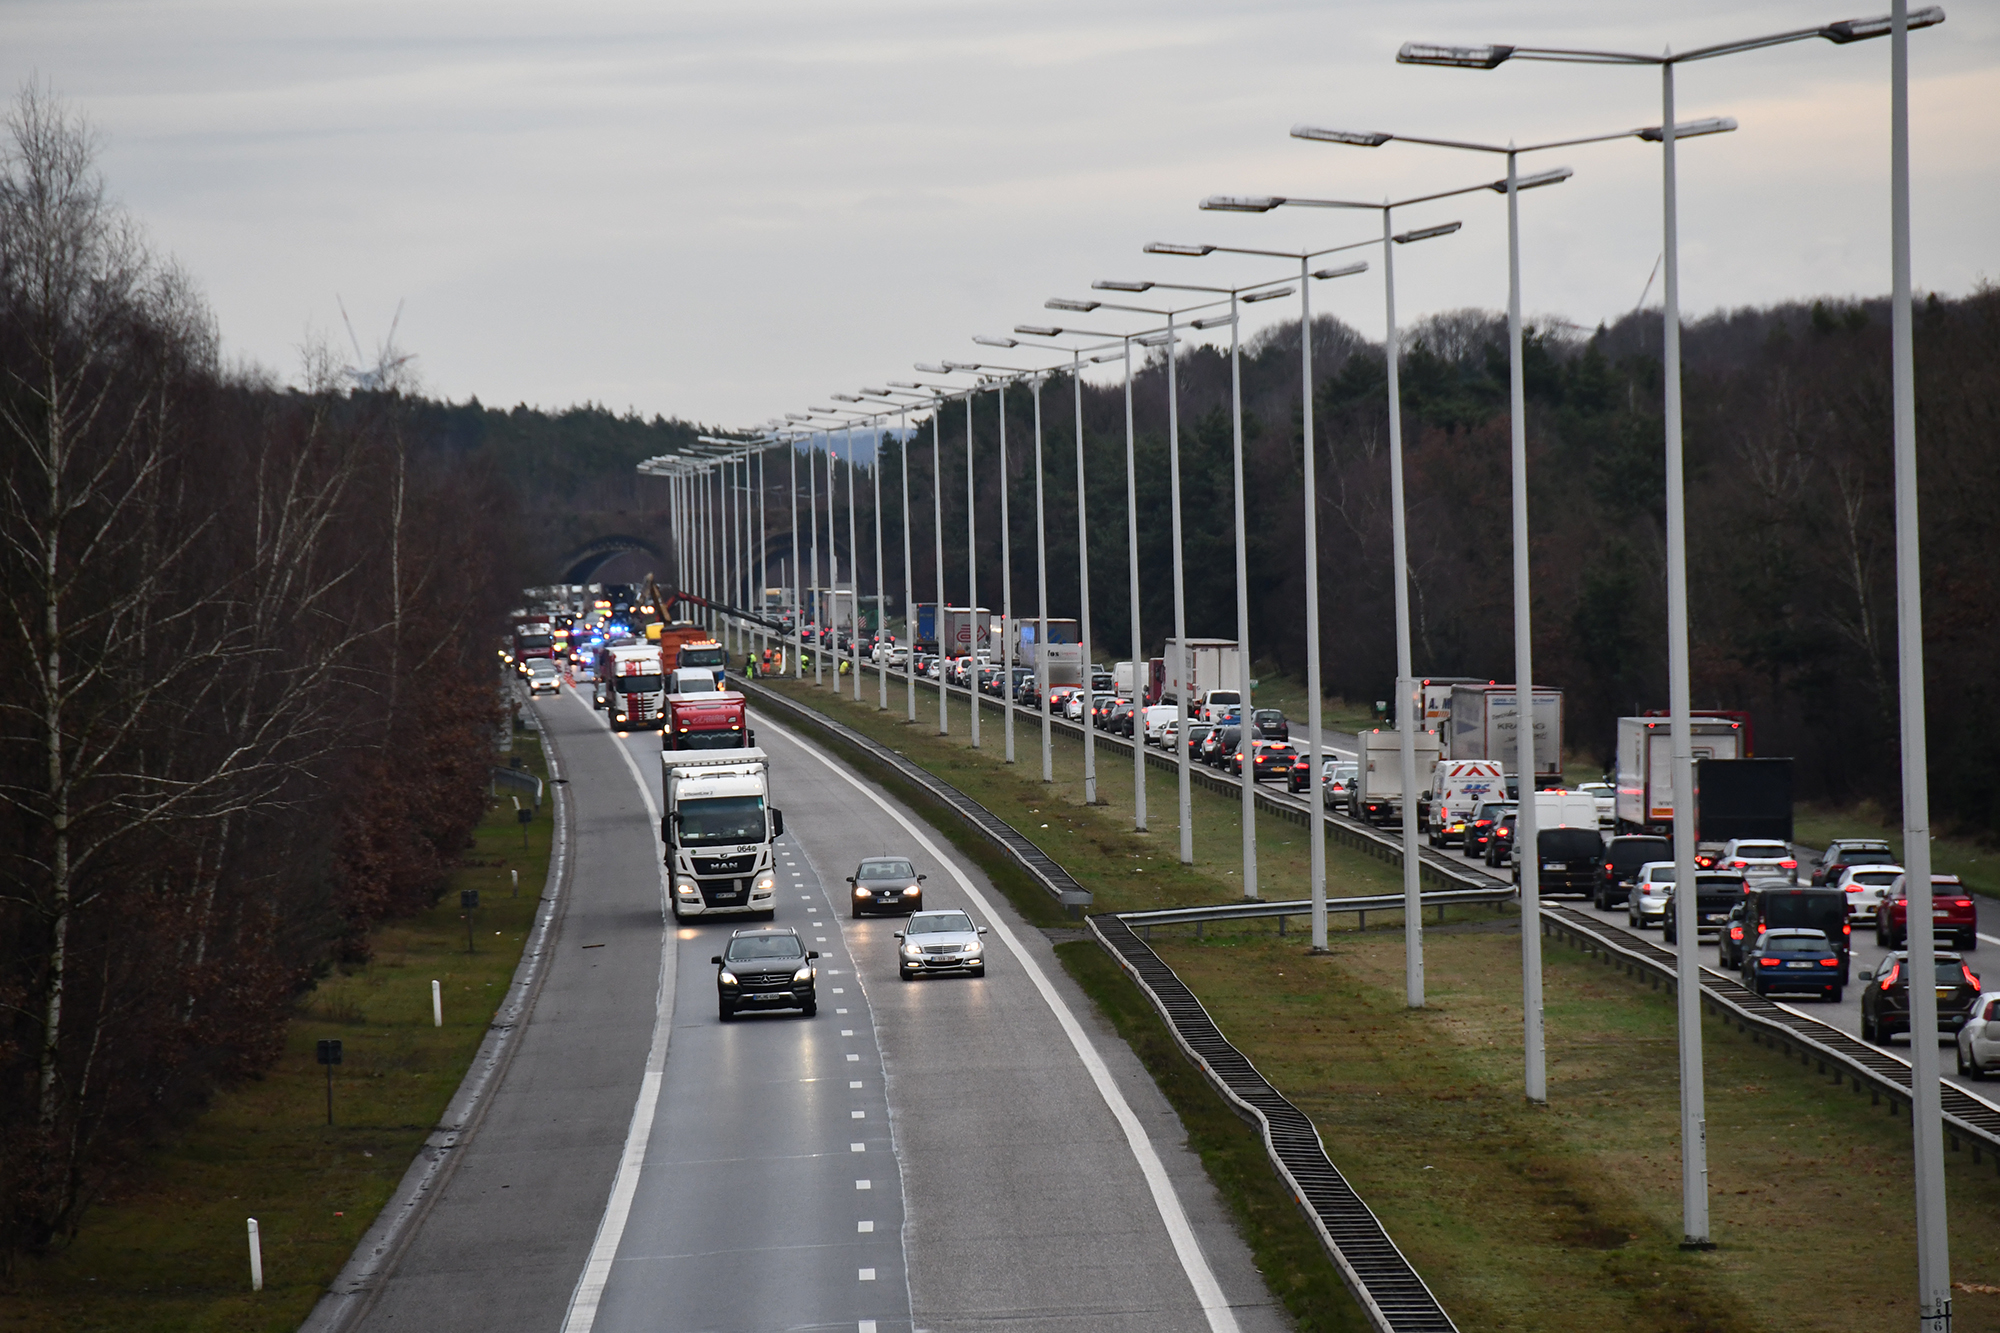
{"x":1953,"y":913}
{"x":713,"y":721}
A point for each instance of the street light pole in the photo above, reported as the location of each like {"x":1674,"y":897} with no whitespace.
{"x":1042,"y":594}
{"x":1934,"y":1289}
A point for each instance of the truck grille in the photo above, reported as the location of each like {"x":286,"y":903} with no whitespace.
{"x":725,"y":892}
{"x":724,"y":865}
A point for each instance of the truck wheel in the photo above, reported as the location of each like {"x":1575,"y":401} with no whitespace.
{"x":768,"y":914}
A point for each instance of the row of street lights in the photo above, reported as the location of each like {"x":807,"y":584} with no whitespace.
{"x":1933,"y":1281}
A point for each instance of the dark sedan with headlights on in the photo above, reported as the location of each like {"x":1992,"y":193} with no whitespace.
{"x":766,"y":968}
{"x":941,"y":941}
{"x":885,"y":884}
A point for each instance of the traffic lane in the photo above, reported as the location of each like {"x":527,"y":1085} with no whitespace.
{"x":770,"y":1156}
{"x":1845,"y":1014}
{"x":503,"y":1243}
{"x":1026,"y":1204}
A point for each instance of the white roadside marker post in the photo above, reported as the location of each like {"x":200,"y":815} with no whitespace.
{"x":256,"y":1258}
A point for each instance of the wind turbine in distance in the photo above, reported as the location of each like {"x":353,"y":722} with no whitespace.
{"x":383,"y":375}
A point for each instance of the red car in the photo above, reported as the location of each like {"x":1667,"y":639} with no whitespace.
{"x":1952,"y":913}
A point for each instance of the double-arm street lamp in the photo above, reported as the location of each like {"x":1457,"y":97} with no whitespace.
{"x":1933,"y":1257}
{"x":1408,"y":718}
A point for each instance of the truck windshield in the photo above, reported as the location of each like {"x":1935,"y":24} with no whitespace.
{"x":719,"y":819}
{"x":708,"y":657}
{"x":529,"y":643}
{"x":709,"y":740}
{"x":638,"y":684}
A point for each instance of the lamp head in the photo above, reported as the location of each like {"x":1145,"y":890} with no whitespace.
{"x":1426,"y":233}
{"x":1344,"y":271}
{"x":1455,"y":57}
{"x":1254,"y":297}
{"x":1167,"y":248}
{"x":1215,"y":322}
{"x":1038,"y":330}
{"x":1064,"y":303}
{"x":1113,"y":285}
{"x":1690,"y":129}
{"x":986,"y":341}
{"x":1554,"y":176}
{"x":930,"y":369}
{"x":1859,"y":30}
{"x":1358,"y":138}
{"x":1241,"y":203}
{"x":845,"y":398}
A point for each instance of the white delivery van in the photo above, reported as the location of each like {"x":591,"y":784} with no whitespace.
{"x":1458,"y":787}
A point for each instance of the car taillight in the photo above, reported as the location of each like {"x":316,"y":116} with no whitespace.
{"x":1739,"y":865}
{"x":1970,"y":979}
{"x":1890,"y":979}
{"x":1761,"y":928}
{"x":1846,"y":928}
{"x":1736,"y":932}
{"x":1961,"y":902}
{"x":1788,"y":865}
{"x":1607,"y":867}
{"x":1829,"y":962}
{"x":1767,"y":962}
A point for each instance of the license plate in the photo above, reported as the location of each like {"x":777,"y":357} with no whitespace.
{"x":1941,"y":915}
{"x":1554,"y":865}
{"x":1713,"y":917}
{"x":1798,"y":964}
{"x":1945,"y":992}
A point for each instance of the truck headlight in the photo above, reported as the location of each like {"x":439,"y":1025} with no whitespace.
{"x":685,"y":888}
{"x":766,"y":884}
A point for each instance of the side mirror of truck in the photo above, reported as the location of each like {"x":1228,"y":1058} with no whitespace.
{"x":777,"y":823}
{"x":667,"y":829}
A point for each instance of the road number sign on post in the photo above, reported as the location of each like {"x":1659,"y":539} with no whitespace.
{"x":329,"y":1055}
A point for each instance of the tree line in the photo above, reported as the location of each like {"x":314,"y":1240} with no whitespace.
{"x":247,"y":691}
{"x":1790,"y":519}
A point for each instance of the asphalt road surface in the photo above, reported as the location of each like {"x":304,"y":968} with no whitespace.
{"x":950,"y":1153}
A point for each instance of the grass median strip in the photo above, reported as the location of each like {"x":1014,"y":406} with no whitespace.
{"x":166,"y":1250}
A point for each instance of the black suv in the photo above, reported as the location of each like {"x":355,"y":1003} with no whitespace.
{"x":1792,"y":959}
{"x":1271,"y":724}
{"x":1567,"y":858}
{"x":1885,"y":1004}
{"x":1479,"y":828}
{"x":886,"y":884}
{"x":1763,"y":910}
{"x":1622,"y":858}
{"x":766,"y":968}
{"x":1717,"y":894}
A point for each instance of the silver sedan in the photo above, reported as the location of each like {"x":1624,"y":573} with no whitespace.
{"x":942,"y":941}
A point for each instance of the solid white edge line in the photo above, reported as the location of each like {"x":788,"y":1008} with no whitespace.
{"x":583,"y":1302}
{"x":1221,"y":1319}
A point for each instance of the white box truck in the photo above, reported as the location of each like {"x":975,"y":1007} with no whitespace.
{"x":1125,"y":679}
{"x":1208,"y":664}
{"x":1376,"y":794}
{"x":964,"y":630}
{"x":1484,"y":719}
{"x":633,"y":685}
{"x":1646,"y":766}
{"x":718,"y":831}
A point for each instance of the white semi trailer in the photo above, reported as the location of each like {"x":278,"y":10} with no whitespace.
{"x":1646,"y":766}
{"x":718,"y":830}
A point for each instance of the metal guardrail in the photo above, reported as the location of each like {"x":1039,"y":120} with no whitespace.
{"x":1381,"y":1279}
{"x":1844,"y":1057}
{"x":1380,"y":902}
{"x":1374,"y":1270}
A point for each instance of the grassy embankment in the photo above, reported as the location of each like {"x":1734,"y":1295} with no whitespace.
{"x":166,"y":1249}
{"x":1520,"y":1217}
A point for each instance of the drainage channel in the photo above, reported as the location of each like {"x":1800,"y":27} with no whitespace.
{"x":1966,"y":1116}
{"x":1382,"y":1281}
{"x":1375,"y":1271}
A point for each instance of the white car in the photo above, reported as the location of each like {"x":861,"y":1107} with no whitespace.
{"x":1157,"y":716}
{"x":544,"y":677}
{"x":1866,"y":888}
{"x":943,"y":941}
{"x":1647,"y":904}
{"x":1759,"y":858}
{"x":1606,"y":796}
{"x":1979,"y":1039}
{"x":1073,"y":706}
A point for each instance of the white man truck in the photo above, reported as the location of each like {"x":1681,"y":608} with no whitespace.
{"x":632,"y":685}
{"x":718,"y":829}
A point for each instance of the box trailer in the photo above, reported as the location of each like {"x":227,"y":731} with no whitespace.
{"x":1376,"y":794}
{"x":924,"y":627}
{"x":1484,"y":722}
{"x":965,"y":630}
{"x":1646,"y":766}
{"x":1206,"y":664}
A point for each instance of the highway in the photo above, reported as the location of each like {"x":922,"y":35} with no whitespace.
{"x":950,"y":1153}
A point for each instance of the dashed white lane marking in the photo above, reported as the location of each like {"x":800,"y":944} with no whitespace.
{"x":1187,"y":1249}
{"x":854,"y":1083}
{"x":819,"y":939}
{"x":838,"y":991}
{"x":853,"y":1057}
{"x":864,"y":1227}
{"x":864,"y":1185}
{"x":867,"y":1326}
{"x":857,"y":1147}
{"x":867,"y":1275}
{"x":840,"y":1011}
{"x":846,"y":1032}
{"x":857,"y":1115}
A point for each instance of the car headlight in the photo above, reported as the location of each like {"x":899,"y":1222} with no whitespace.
{"x":860,"y":892}
{"x":912,"y":951}
{"x":726,"y":977}
{"x":802,"y":976}
{"x":975,"y":948}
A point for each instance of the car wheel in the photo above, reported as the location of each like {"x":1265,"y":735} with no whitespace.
{"x":906,"y":974}
{"x":810,"y":1008}
{"x":856,"y":911}
{"x":1868,"y":1033}
{"x":1834,"y":994}
{"x":725,"y":1010}
{"x":1969,"y":941}
{"x":1959,"y":1052}
{"x":768,"y":914}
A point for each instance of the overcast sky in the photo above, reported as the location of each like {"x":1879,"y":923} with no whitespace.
{"x":723,"y":211}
